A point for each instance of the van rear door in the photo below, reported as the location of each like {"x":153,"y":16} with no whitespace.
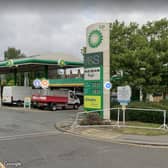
{"x":7,"y":94}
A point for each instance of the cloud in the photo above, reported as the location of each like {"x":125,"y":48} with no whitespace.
{"x":36,"y":33}
{"x":48,"y":26}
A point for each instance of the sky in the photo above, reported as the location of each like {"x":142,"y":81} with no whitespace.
{"x":39,"y":27}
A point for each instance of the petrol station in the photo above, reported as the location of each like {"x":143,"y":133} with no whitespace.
{"x":92,"y":74}
{"x":56,"y":68}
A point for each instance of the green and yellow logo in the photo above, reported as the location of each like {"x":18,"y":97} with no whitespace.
{"x":95,"y":38}
{"x":10,"y":62}
{"x":61,"y":62}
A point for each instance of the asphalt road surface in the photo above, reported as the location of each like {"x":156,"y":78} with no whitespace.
{"x":31,"y":139}
{"x":18,"y":122}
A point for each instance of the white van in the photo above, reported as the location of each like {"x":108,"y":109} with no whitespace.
{"x":15,"y":94}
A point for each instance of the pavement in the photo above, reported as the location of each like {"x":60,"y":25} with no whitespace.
{"x":109,"y":134}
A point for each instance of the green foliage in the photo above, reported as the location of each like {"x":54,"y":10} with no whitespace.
{"x":144,"y":116}
{"x":141,"y":131}
{"x":133,"y":47}
{"x":165,"y":104}
{"x":13,"y":53}
{"x":10,"y":82}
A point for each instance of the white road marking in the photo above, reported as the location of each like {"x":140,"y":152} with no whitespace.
{"x":28,"y":135}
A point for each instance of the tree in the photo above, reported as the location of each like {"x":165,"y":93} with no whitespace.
{"x":157,"y":34}
{"x":134,"y":48}
{"x":13,"y":53}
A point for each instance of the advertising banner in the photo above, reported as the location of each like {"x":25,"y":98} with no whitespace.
{"x":92,"y":102}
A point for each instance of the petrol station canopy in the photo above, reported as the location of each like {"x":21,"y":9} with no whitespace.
{"x":35,"y":62}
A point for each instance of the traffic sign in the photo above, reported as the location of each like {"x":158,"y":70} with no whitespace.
{"x":44,"y":84}
{"x":108,"y":85}
{"x":37,"y":83}
{"x":123,"y":94}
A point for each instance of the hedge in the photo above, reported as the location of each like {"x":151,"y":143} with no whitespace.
{"x":144,"y":116}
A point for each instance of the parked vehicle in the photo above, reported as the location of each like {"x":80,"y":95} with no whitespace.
{"x":56,"y":99}
{"x":15,"y":94}
{"x":80,"y":96}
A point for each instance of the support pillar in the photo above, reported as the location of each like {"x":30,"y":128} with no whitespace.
{"x":97,"y":69}
{"x":46,"y":71}
{"x":15,"y":76}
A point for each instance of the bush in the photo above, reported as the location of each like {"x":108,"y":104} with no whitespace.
{"x":164,"y":103}
{"x":92,"y":119}
{"x":144,"y":116}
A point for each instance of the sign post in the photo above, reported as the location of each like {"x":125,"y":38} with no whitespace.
{"x":123,"y":109}
{"x":124,"y":97}
{"x":97,"y":69}
{"x":27,"y":102}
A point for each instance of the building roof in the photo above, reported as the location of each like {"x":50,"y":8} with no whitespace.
{"x":62,"y":56}
{"x":47,"y":59}
{"x":36,"y":62}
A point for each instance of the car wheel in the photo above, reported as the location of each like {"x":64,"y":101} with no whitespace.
{"x":76,"y":106}
{"x":53,"y":107}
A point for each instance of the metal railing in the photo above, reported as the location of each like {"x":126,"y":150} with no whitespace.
{"x":117,"y":123}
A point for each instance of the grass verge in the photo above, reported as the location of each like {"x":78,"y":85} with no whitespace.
{"x":150,"y":129}
{"x":141,"y":131}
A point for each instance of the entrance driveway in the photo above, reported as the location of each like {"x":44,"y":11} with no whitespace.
{"x":17,"y":121}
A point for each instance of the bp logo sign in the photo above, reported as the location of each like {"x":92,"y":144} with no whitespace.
{"x":95,"y":38}
{"x":61,"y":62}
{"x":10,"y":62}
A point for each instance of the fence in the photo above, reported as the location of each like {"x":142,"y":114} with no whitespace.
{"x":118,"y":122}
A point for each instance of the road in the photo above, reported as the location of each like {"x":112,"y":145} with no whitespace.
{"x":19,"y":122}
{"x":31,"y":139}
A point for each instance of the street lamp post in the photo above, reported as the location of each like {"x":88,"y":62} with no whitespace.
{"x":140,"y":88}
{"x":166,"y":65}
{"x":140,"y":94}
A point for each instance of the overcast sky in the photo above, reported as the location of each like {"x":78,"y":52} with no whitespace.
{"x":40,"y":27}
